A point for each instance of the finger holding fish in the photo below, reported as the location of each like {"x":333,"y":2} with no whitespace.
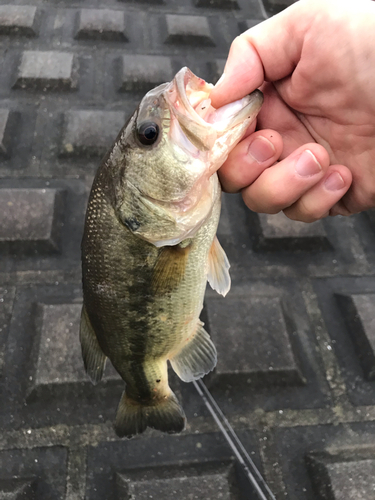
{"x":304,"y":185}
{"x":249,"y":159}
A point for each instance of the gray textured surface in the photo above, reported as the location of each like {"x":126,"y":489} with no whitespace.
{"x":295,"y":336}
{"x":88,"y":132}
{"x":142,"y":72}
{"x":8,"y":121}
{"x":189,"y":30}
{"x":30,"y":220}
{"x":340,"y":478}
{"x":101,"y":24}
{"x":46,"y":70}
{"x":18,"y":19}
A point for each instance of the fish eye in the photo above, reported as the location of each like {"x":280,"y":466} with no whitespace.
{"x":148,"y":132}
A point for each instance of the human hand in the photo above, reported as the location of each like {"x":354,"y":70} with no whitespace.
{"x":314,"y":152}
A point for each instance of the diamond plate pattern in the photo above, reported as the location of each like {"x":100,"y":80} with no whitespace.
{"x":144,"y":72}
{"x":18,"y":20}
{"x":102,"y":24}
{"x":90,"y":133}
{"x":30,"y":220}
{"x":188,"y":30}
{"x":268,"y":362}
{"x":341,"y":478}
{"x":8,"y":121}
{"x":47,"y":70}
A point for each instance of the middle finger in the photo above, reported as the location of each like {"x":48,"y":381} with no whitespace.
{"x":284,"y":183}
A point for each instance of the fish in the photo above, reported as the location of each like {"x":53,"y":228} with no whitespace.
{"x":149,"y":247}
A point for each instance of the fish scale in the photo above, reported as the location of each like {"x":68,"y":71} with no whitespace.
{"x":149,"y":247}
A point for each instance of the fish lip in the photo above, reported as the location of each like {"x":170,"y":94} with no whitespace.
{"x":250,"y":108}
{"x":182,"y":78}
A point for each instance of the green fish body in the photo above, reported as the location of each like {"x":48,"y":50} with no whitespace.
{"x":149,"y":247}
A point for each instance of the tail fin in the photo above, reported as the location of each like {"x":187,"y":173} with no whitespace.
{"x":133,"y":418}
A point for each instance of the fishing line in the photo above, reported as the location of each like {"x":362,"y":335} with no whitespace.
{"x":234,"y":442}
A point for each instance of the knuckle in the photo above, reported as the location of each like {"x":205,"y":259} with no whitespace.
{"x":267,"y":197}
{"x":308,"y":219}
{"x":277,"y":199}
{"x":259,"y":203}
{"x":302,"y":213}
{"x":250,"y":203}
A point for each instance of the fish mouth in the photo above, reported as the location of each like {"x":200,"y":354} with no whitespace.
{"x":201,"y":123}
{"x":200,"y":138}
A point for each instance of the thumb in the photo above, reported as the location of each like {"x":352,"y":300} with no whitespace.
{"x":269,"y":51}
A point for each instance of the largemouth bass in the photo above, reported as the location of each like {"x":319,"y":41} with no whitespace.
{"x":149,"y":247}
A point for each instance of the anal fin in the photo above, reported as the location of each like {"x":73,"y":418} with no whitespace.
{"x":197,"y":358}
{"x":218,"y":268}
{"x":93,"y":357}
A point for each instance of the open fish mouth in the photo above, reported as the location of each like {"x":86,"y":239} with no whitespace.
{"x":197,"y":139}
{"x":198,"y":121}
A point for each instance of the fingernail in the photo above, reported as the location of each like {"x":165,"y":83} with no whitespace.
{"x":334,"y":182}
{"x":261,"y":149}
{"x":220,"y":80}
{"x":307,"y":164}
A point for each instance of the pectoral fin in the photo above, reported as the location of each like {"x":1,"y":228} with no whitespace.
{"x":169,"y":268}
{"x":218,"y":268}
{"x":93,"y":357}
{"x":196,"y":358}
